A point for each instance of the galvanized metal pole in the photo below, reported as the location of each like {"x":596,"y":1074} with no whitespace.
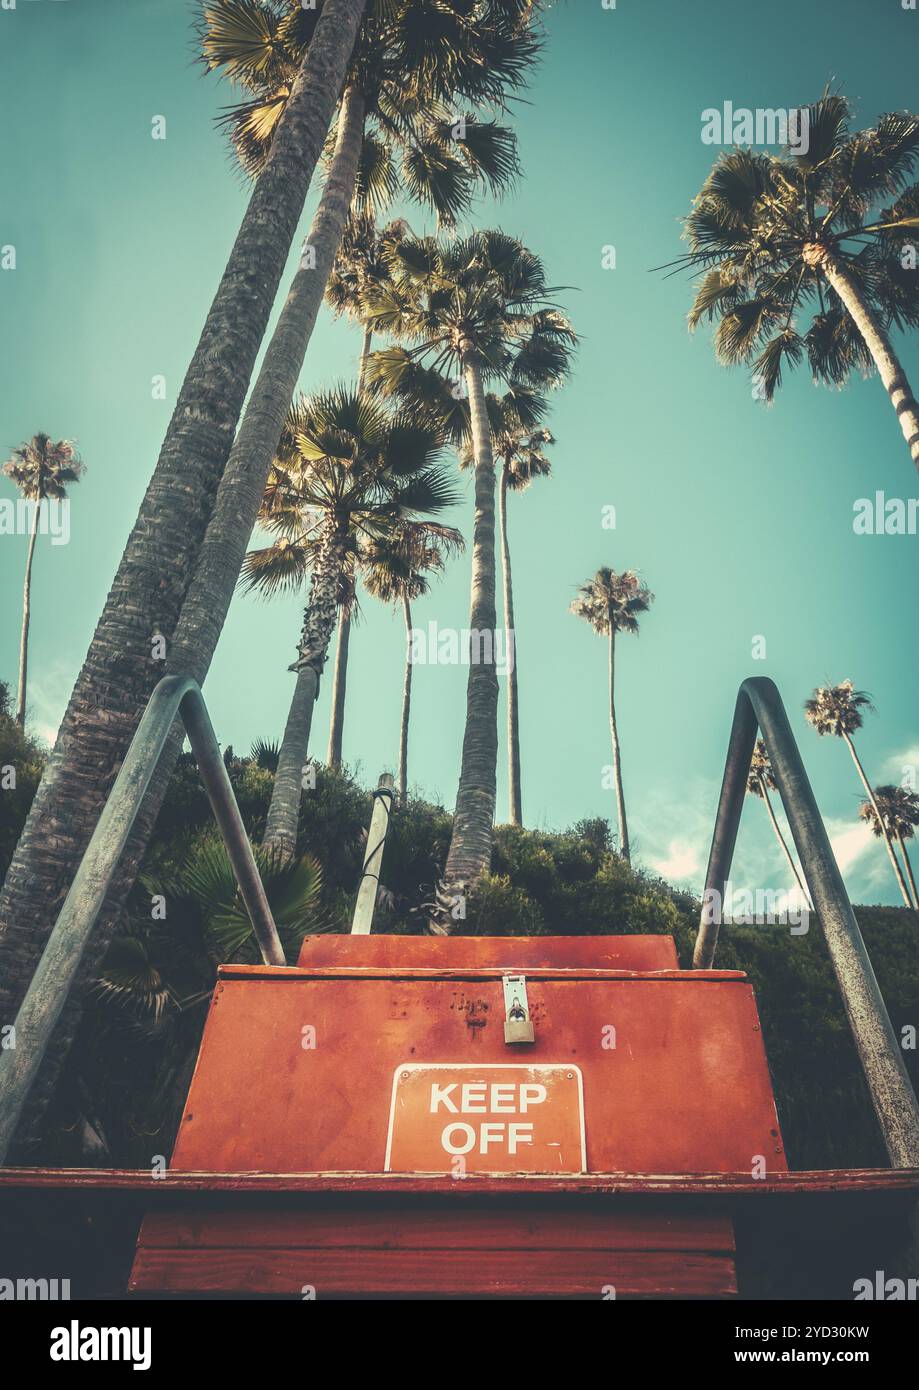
{"x":366,"y":903}
{"x":45,"y":998}
{"x":220,"y":792}
{"x":724,"y":835}
{"x":892,"y":1095}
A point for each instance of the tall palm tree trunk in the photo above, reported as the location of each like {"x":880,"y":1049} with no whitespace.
{"x":243,"y":485}
{"x":617,"y":758}
{"x":156,"y":570}
{"x":284,"y":810}
{"x":337,"y":725}
{"x":336,"y":730}
{"x":909,"y":870}
{"x":26,"y":616}
{"x":875,"y":337}
{"x":781,"y":839}
{"x":366,"y":341}
{"x":474,"y":813}
{"x":869,"y":792}
{"x":406,"y":703}
{"x":318,"y":626}
{"x":513,"y":726}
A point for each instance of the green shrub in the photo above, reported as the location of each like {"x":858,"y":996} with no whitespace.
{"x":566,"y":883}
{"x":22,"y":761}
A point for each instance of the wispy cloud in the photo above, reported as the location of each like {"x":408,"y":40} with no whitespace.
{"x":850,"y":843}
{"x":682,"y":862}
{"x":904,"y":764}
{"x":672,"y":836}
{"x":47,"y":700}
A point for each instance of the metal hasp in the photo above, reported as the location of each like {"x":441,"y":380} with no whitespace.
{"x":760,"y":705}
{"x":518,"y":1026}
{"x":55,"y":973}
{"x":365,"y":906}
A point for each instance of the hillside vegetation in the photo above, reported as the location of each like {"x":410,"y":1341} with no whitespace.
{"x":124,"y":1088}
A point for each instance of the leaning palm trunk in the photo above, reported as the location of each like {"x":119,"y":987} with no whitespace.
{"x":781,"y":839}
{"x":337,"y":725}
{"x":406,"y":703}
{"x":614,"y":740}
{"x":318,"y":626}
{"x":474,"y":814}
{"x":877,"y":342}
{"x":909,"y":870}
{"x":26,"y":615}
{"x":882,"y":824}
{"x":155,"y":574}
{"x":513,"y":727}
{"x":243,"y":486}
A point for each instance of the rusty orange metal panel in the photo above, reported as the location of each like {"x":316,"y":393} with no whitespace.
{"x":508,"y":952}
{"x":296,"y":1074}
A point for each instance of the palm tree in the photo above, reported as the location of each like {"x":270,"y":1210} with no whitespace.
{"x":170,"y":566}
{"x":613,"y":603}
{"x":407,"y":71}
{"x":900,"y":810}
{"x":164,"y":546}
{"x":358,"y":264}
{"x":820,"y":234}
{"x":396,"y":569}
{"x":519,"y":450}
{"x":760,"y":782}
{"x":396,"y":102}
{"x":478,"y":310}
{"x":348,"y":609}
{"x":347,"y":470}
{"x":42,"y":470}
{"x":837,"y":710}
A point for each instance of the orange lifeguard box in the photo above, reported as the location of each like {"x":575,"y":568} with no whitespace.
{"x":436,"y":1150}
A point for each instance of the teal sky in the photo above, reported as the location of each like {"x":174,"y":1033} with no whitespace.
{"x":738,"y":517}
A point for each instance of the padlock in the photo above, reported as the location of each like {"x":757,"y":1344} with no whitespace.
{"x":518,"y":1030}
{"x":517,"y":1026}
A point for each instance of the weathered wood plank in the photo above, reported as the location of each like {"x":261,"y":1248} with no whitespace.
{"x":419,"y":1229}
{"x":639,"y":1184}
{"x":457,"y":1272}
{"x":512,"y":953}
{"x":292,"y":974}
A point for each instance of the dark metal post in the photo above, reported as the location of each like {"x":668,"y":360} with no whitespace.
{"x":759,"y":703}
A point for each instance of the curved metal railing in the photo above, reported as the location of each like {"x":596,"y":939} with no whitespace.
{"x":50,"y":985}
{"x":759,"y":705}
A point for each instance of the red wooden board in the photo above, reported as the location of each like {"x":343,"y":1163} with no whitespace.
{"x":513,"y":953}
{"x":655,"y":1227}
{"x":526,"y":1252}
{"x":507,"y":1273}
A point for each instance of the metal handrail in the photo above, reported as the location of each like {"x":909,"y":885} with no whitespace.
{"x":760,"y":705}
{"x":50,"y":985}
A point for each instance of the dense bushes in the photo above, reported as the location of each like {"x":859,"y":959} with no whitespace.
{"x":21,"y":763}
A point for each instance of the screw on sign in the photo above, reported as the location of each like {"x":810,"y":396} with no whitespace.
{"x":499,"y":1118}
